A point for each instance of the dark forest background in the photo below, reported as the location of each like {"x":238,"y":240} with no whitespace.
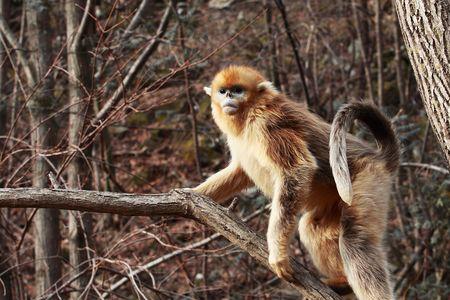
{"x":110,"y":98}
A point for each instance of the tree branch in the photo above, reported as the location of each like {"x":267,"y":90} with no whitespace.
{"x":364,"y":57}
{"x":425,"y":166}
{"x":83,"y":24}
{"x":7,"y":32}
{"x":136,"y":67}
{"x":137,"y":18}
{"x":295,"y":48}
{"x":178,"y":202}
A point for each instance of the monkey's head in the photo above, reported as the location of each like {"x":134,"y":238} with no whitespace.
{"x":236,"y":88}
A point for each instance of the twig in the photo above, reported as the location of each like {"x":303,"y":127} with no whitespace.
{"x":83,"y":24}
{"x":425,"y":142}
{"x":190,"y":103}
{"x":233,"y":205}
{"x":414,"y":258}
{"x":136,"y":19}
{"x":398,"y":62}
{"x":25,"y":230}
{"x":363,"y":51}
{"x":378,"y":20}
{"x":4,"y":28}
{"x":136,"y":67}
{"x":295,"y":47}
{"x":425,"y":166}
{"x":273,"y":66}
{"x":53,"y":181}
{"x":16,"y":85}
{"x":180,"y":251}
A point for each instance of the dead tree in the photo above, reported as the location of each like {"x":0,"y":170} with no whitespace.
{"x":40,"y":104}
{"x":78,"y":22}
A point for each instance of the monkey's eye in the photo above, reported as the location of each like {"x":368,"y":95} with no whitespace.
{"x":237,"y":89}
{"x":222,"y":91}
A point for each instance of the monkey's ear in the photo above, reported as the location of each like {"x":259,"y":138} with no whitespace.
{"x":266,"y":86}
{"x":207,"y":90}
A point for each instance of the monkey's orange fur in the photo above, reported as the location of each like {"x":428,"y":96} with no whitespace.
{"x":283,"y":149}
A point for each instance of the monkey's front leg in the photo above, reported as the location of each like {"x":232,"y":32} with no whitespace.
{"x":282,"y":224}
{"x":225,"y":183}
{"x":283,"y":220}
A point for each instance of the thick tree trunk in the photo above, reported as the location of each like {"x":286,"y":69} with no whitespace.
{"x":77,"y":22}
{"x":47,"y":236}
{"x":426,"y":32}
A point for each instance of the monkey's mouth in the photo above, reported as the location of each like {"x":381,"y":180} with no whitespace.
{"x":230,"y":108}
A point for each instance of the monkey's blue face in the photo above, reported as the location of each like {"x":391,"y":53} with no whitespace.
{"x":230,"y":98}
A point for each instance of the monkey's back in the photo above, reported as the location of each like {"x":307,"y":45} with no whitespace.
{"x":315,"y":132}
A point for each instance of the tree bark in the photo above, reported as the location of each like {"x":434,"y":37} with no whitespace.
{"x":176,"y":203}
{"x":77,"y":23}
{"x":47,"y":235}
{"x":426,"y":32}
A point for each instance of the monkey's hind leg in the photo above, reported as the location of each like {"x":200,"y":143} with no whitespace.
{"x":362,"y":229}
{"x":320,"y":236}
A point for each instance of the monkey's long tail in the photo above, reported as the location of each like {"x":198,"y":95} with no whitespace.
{"x":381,"y":128}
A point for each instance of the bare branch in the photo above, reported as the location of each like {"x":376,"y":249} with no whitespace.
{"x":136,"y":18}
{"x":425,"y":166}
{"x":83,"y":25}
{"x":379,"y":42}
{"x":295,"y":47}
{"x":177,"y":252}
{"x":136,"y":67}
{"x":4,"y":28}
{"x":364,"y":57}
{"x":178,"y":202}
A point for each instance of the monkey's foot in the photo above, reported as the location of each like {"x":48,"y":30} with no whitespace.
{"x":339,"y":285}
{"x":282,"y":268}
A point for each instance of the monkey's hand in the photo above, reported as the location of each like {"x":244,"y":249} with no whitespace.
{"x":282,"y":267}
